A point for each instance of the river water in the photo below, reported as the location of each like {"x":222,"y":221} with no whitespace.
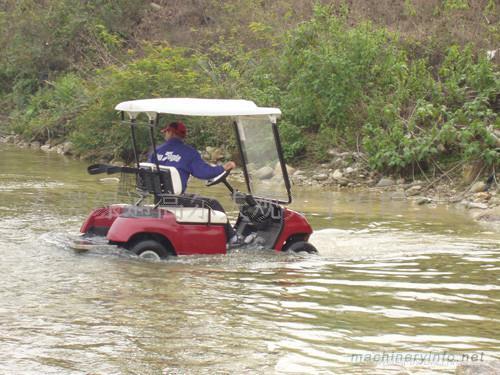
{"x":396,"y":287}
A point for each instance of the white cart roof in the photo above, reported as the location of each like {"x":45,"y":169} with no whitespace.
{"x":196,"y":107}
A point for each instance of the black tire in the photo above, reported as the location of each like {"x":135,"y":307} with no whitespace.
{"x":300,"y":246}
{"x":147,"y":248}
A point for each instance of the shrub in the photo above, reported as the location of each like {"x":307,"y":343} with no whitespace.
{"x":50,"y":112}
{"x":163,"y":72}
{"x":452,"y":118}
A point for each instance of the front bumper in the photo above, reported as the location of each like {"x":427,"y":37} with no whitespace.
{"x":84,"y":242}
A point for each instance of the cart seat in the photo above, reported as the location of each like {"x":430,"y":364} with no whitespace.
{"x":174,"y":175}
{"x":197,"y":215}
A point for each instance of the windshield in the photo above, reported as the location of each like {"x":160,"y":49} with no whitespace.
{"x":261,"y":157}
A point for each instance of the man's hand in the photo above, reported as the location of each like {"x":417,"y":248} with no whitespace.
{"x":229,"y":165}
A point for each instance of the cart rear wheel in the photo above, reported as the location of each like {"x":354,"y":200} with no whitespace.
{"x":149,"y":249}
{"x":301,"y":246}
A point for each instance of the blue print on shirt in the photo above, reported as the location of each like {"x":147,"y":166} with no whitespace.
{"x":169,"y":156}
{"x":174,"y":153}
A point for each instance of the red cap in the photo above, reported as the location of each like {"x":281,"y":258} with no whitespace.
{"x":177,"y":127}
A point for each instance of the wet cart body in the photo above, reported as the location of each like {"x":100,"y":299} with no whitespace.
{"x":182,"y":224}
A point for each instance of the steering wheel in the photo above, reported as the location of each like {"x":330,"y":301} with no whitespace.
{"x":218,"y":179}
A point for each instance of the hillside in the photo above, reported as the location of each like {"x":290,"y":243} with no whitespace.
{"x":409,"y":83}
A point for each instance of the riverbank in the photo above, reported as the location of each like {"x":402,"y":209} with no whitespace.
{"x":466,"y":185}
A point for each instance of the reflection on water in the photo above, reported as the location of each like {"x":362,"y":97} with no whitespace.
{"x":390,"y":278}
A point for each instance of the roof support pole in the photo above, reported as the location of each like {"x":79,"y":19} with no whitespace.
{"x":152,"y":127}
{"x":134,"y":140}
{"x":282,"y":161}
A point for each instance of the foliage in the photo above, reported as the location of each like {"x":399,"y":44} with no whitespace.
{"x":455,"y":119}
{"x":164,"y":72}
{"x":51,"y":111}
{"x":332,"y":71}
{"x":40,"y":39}
{"x":340,"y":82}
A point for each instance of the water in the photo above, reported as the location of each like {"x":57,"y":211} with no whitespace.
{"x":391,"y":278}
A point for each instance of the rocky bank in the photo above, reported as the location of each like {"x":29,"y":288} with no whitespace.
{"x":467,"y":185}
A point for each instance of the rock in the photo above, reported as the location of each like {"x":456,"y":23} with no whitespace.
{"x":483,"y":196}
{"x":398,"y":196}
{"x":59,"y":149}
{"x":289,"y":169}
{"x":494,"y":201}
{"x":490,"y":215}
{"x":216,"y":155}
{"x":414,"y":190}
{"x":298,"y":172}
{"x":482,"y":206}
{"x":251,"y":167}
{"x":277,"y":169}
{"x":343,"y":182}
{"x":424,"y":200}
{"x":349,"y":170}
{"x":13,"y":139}
{"x":277,"y":180}
{"x":477,"y":187}
{"x":45,"y":147}
{"x":155,"y":6}
{"x":333,"y":152}
{"x":35,"y":145}
{"x":476,"y":366}
{"x":337,"y":175}
{"x":385,"y":181}
{"x":264,"y":173}
{"x":67,"y":148}
{"x":320,"y":177}
{"x":470,"y":171}
{"x":455,"y":198}
{"x":213,"y":153}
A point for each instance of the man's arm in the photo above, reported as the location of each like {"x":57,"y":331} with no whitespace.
{"x":201,"y":169}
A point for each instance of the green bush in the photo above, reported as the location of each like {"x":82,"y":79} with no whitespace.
{"x":332,"y":71}
{"x":453,"y":118}
{"x":51,"y":111}
{"x":164,"y":72}
{"x":41,"y":39}
{"x":406,"y":103}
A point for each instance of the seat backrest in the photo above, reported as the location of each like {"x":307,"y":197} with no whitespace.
{"x":175,"y":177}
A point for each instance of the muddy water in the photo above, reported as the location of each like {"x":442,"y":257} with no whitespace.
{"x":392,"y":279}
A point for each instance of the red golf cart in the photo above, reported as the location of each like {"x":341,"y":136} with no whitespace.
{"x":185,"y":224}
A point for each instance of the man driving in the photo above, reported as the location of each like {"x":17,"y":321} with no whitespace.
{"x":175,"y":153}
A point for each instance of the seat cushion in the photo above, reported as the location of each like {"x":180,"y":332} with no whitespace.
{"x":174,"y":175}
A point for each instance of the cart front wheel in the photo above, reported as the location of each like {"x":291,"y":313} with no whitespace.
{"x":301,"y":246}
